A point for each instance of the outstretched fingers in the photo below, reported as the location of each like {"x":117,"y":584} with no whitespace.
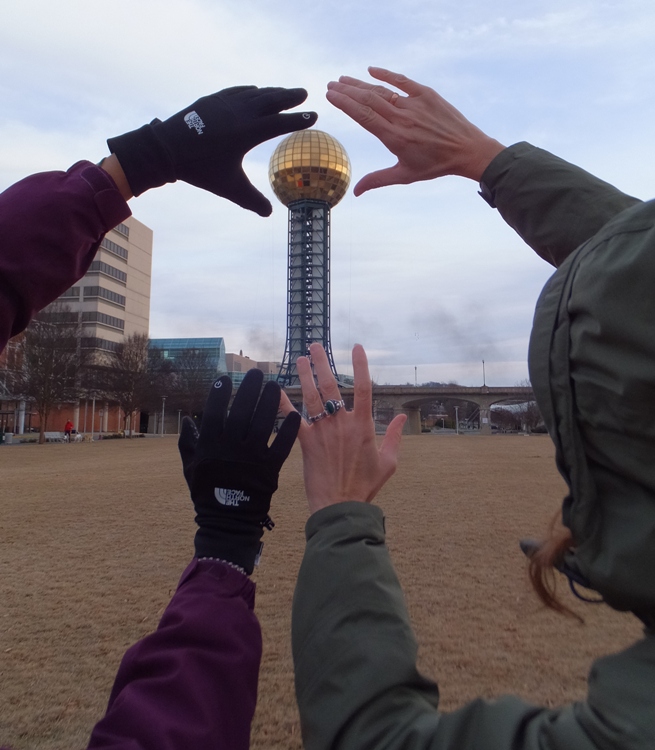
{"x":214,"y":416}
{"x":243,"y":407}
{"x":410,"y":87}
{"x":310,"y":395}
{"x":365,"y":107}
{"x":327,"y":384}
{"x":286,"y":437}
{"x":280,"y":124}
{"x":347,"y":93}
{"x":263,"y":419}
{"x":186,"y":444}
{"x":363,"y":386}
{"x":375,"y":88}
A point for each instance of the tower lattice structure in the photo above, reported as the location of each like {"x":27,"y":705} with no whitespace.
{"x":310,"y":173}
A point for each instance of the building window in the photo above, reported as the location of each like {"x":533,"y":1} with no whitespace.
{"x":74,"y":291}
{"x":97,"y":266}
{"x":112,"y":247}
{"x":106,"y":320}
{"x":93,"y":342}
{"x":99,"y":291}
{"x":57,"y":317}
{"x":122,"y":229}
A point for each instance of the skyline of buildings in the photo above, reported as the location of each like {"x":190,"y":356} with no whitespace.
{"x":111,"y":302}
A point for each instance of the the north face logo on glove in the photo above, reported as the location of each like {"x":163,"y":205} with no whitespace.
{"x":193,"y":120}
{"x":230,"y":497}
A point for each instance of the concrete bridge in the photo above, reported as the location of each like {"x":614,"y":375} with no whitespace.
{"x":404,"y":399}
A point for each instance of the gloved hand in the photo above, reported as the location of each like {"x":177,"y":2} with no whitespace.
{"x":231,"y":470}
{"x":205,"y":143}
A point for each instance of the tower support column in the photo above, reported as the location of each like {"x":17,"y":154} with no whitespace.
{"x":308,"y":285}
{"x":485,"y":421}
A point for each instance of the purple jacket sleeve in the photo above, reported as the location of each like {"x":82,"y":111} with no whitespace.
{"x":50,"y":227}
{"x":193,"y":682}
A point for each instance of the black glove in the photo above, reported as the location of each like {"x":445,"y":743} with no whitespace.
{"x":231,"y":470}
{"x":205,"y":143}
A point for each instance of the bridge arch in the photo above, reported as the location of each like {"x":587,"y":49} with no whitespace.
{"x":408,"y":400}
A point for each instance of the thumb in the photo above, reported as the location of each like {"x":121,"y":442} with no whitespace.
{"x":382,"y":178}
{"x":242,"y":192}
{"x":391,"y":442}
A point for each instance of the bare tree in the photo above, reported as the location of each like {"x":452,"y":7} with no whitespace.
{"x":506,"y":418}
{"x":128,"y":376}
{"x":194,"y":374}
{"x":528,"y":410}
{"x":160,"y":381}
{"x":48,"y":362}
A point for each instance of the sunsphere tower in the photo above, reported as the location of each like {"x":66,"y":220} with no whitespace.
{"x":310,"y":173}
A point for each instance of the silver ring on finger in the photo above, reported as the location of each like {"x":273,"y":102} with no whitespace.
{"x":318,"y":417}
{"x":332,"y":406}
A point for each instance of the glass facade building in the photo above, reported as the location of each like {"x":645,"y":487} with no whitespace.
{"x":213,"y":347}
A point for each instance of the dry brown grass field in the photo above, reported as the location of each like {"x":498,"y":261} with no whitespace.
{"x":95,"y":536}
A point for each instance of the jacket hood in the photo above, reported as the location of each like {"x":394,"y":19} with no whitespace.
{"x":592,"y":368}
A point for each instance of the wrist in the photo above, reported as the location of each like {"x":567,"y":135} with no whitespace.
{"x":225,"y":562}
{"x":240,"y":547}
{"x":143,"y":158}
{"x":112,"y":166}
{"x":486,"y":150}
{"x":319,"y":501}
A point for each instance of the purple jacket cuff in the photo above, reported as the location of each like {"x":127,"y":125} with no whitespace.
{"x":51,"y":225}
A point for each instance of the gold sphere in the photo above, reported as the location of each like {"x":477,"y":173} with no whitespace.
{"x":309,"y":165}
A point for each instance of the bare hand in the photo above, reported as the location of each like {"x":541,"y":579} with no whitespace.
{"x":428,"y":135}
{"x":341,"y":459}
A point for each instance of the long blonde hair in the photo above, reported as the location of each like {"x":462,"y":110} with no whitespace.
{"x":544,"y":562}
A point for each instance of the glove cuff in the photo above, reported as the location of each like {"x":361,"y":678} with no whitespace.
{"x":143,"y":158}
{"x":239,"y":547}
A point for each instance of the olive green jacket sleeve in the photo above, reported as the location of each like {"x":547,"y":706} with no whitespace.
{"x":553,"y":205}
{"x":357,"y":683}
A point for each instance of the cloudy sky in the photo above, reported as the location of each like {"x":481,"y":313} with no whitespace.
{"x":425,"y":276}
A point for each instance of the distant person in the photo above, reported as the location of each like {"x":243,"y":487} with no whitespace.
{"x":193,"y":682}
{"x":68,"y":429}
{"x":592,"y":367}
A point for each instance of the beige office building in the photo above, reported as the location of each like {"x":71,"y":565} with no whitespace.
{"x":113,"y":298}
{"x":238,"y":365}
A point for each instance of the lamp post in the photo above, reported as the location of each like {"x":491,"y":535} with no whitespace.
{"x":457,"y":420}
{"x":179,"y":419}
{"x":484,"y":379}
{"x":163,"y":412}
